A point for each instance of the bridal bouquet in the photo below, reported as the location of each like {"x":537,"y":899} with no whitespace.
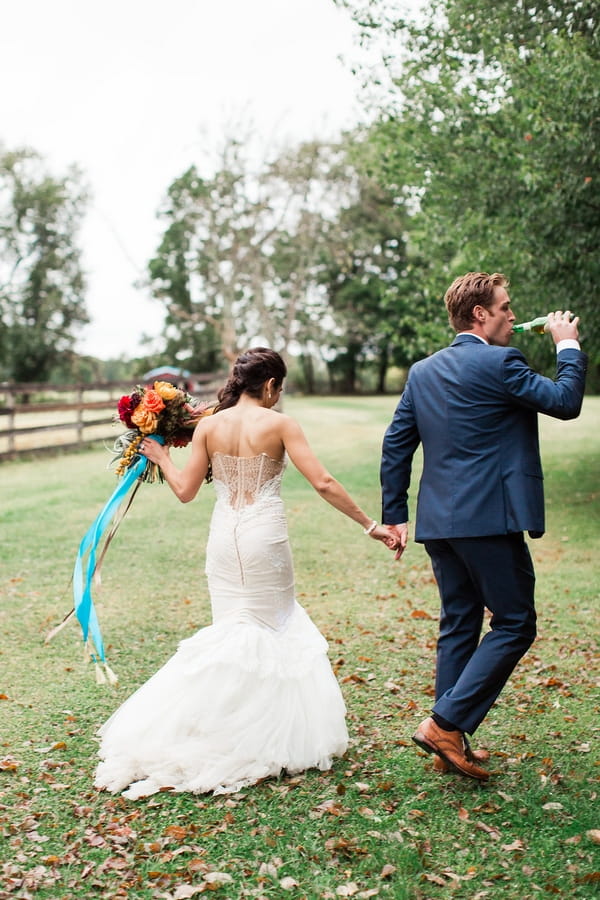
{"x":168,"y":415}
{"x":163,"y":412}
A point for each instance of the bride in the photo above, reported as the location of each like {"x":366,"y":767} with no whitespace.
{"x":253,"y":694}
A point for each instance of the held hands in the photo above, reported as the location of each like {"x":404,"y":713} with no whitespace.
{"x":560,"y":326}
{"x":400,"y":534}
{"x":390,"y":536}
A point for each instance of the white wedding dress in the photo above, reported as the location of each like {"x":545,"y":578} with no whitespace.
{"x":251,"y":695}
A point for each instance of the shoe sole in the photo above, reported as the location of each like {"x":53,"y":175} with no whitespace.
{"x":421,"y":742}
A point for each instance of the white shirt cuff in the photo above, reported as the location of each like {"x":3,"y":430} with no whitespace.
{"x":567,"y":344}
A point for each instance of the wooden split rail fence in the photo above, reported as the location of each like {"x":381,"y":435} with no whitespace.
{"x":38,"y":418}
{"x":41,"y":418}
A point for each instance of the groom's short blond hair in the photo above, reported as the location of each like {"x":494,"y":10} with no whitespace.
{"x":467,"y":292}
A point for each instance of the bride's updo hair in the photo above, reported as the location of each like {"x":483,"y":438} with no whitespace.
{"x":250,"y":371}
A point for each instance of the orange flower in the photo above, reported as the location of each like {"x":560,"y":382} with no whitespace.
{"x":153,"y":402}
{"x":145,"y":420}
{"x":166,"y":390}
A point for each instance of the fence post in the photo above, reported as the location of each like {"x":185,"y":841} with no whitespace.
{"x":10,"y":405}
{"x":80,"y":415}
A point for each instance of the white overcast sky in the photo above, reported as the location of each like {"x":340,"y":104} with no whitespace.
{"x":134,"y":91}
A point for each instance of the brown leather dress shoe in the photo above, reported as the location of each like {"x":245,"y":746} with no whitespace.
{"x":450,"y":747}
{"x":476,"y":756}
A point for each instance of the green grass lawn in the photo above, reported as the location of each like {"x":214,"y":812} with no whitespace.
{"x":381,"y":823}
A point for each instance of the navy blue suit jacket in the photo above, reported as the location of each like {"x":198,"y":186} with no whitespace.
{"x":474,"y":409}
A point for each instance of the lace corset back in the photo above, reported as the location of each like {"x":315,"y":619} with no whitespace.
{"x":243,"y":480}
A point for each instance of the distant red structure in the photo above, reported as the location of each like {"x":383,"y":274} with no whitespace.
{"x":182,"y":378}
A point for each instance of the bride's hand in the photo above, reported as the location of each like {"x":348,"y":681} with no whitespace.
{"x":384,"y":534}
{"x":153,"y":451}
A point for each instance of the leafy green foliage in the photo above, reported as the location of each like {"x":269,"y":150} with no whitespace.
{"x":307,"y":252}
{"x":374,"y":282}
{"x":238,"y":255}
{"x":492,"y":123}
{"x":41,"y":280}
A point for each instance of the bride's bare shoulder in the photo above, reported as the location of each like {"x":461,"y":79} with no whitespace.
{"x":281,"y":417}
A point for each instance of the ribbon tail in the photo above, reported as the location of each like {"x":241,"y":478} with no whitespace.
{"x":85,"y":562}
{"x":111,"y":676}
{"x":114,"y":528}
{"x":54,"y":631}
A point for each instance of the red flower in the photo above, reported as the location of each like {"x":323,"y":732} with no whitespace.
{"x":181,"y":440}
{"x":126,"y":405}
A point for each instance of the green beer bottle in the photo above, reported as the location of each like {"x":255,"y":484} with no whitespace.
{"x":538,"y":325}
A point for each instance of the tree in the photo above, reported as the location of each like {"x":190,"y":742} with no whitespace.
{"x":500,"y":107}
{"x":318,"y":181}
{"x":41,"y":280}
{"x":376,"y":278}
{"x":240,"y":253}
{"x":212,"y":266}
{"x":306,"y":253}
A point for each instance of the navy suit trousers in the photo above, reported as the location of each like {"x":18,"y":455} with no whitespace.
{"x":473,"y":574}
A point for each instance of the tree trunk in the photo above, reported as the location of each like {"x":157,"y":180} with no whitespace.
{"x":382,"y":367}
{"x":308,"y":372}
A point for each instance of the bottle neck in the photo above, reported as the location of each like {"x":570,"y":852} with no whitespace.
{"x":537,"y":325}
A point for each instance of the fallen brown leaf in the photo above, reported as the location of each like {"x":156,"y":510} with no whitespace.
{"x":517,"y":845}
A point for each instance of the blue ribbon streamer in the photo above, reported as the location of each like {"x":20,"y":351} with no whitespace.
{"x":82,"y":583}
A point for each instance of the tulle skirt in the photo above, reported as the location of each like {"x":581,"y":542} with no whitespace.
{"x":238,"y":702}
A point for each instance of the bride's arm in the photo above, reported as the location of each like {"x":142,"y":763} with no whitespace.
{"x":303,"y":457}
{"x":185,"y":483}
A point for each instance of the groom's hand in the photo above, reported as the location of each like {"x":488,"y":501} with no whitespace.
{"x":401,"y":534}
{"x":386,"y":535}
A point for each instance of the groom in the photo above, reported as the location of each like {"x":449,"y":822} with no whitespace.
{"x":473,"y":406}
